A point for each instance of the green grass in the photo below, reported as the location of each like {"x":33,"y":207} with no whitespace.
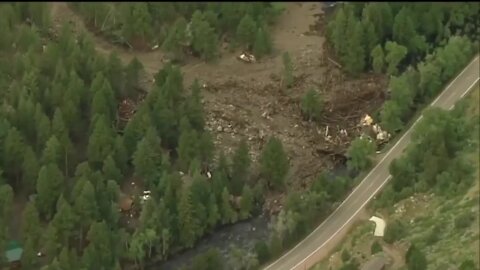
{"x":452,"y":244}
{"x":279,"y":6}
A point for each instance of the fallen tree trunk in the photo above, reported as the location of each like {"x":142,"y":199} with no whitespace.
{"x":333,"y":62}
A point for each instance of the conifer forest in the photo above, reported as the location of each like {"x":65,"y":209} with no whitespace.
{"x":216,"y":135}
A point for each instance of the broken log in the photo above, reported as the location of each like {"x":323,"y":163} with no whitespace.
{"x":333,"y":62}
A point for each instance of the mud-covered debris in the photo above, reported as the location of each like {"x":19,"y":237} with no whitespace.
{"x":366,"y":120}
{"x":126,"y":109}
{"x":246,"y":57}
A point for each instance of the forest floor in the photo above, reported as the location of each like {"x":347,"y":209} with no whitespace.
{"x":247,"y":100}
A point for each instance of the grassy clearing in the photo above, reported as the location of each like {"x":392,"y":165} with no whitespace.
{"x":446,"y":230}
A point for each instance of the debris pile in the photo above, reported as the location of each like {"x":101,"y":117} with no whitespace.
{"x":125,"y":203}
{"x":246,"y":57}
{"x":126,"y":109}
{"x":345,"y":103}
{"x":381,"y":135}
{"x":256,"y":109}
{"x":272,"y":205}
{"x":146,"y":196}
{"x":374,"y":130}
{"x":366,"y":121}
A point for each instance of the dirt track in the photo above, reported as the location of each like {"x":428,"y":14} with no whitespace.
{"x":246,"y":99}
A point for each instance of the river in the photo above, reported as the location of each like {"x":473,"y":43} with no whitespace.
{"x":243,"y":234}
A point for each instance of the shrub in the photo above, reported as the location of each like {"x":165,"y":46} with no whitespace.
{"x":468,"y":265}
{"x":345,"y":255}
{"x":276,"y":245}
{"x":351,"y":265}
{"x":263,"y":253}
{"x":463,"y":220}
{"x":211,"y":259}
{"x":395,"y":231}
{"x":415,"y":259}
{"x":312,"y":105}
{"x":376,"y":248}
{"x":434,"y":234}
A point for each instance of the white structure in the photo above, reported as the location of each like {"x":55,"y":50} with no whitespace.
{"x":366,"y":120}
{"x":379,"y":226}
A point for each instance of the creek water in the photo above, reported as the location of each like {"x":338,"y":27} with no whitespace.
{"x":243,"y":234}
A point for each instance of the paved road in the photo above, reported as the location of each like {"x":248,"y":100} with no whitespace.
{"x":314,"y":246}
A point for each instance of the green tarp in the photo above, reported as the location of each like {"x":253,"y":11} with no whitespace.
{"x":14,"y":252}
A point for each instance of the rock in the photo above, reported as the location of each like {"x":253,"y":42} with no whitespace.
{"x":227,"y":130}
{"x":219,"y":129}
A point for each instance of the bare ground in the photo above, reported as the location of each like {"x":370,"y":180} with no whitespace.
{"x":396,"y":254}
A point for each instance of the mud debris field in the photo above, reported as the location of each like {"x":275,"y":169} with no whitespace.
{"x":247,"y":100}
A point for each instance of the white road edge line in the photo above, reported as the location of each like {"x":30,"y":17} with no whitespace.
{"x":450,"y":84}
{"x":345,"y":224}
{"x":468,"y":90}
{"x":465,"y":92}
{"x":381,"y":185}
{"x":375,"y":192}
{"x":358,"y":186}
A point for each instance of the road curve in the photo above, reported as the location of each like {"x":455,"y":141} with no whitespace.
{"x":313,"y":248}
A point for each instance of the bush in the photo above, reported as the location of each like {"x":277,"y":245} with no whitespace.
{"x":345,"y":255}
{"x":463,"y":220}
{"x":211,"y":259}
{"x":376,"y":248}
{"x":395,"y":231}
{"x":386,"y":199}
{"x":434,"y":234}
{"x":468,"y":265}
{"x":351,"y":265}
{"x":312,"y":105}
{"x":262,"y":251}
{"x":415,"y":259}
{"x":276,"y":245}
